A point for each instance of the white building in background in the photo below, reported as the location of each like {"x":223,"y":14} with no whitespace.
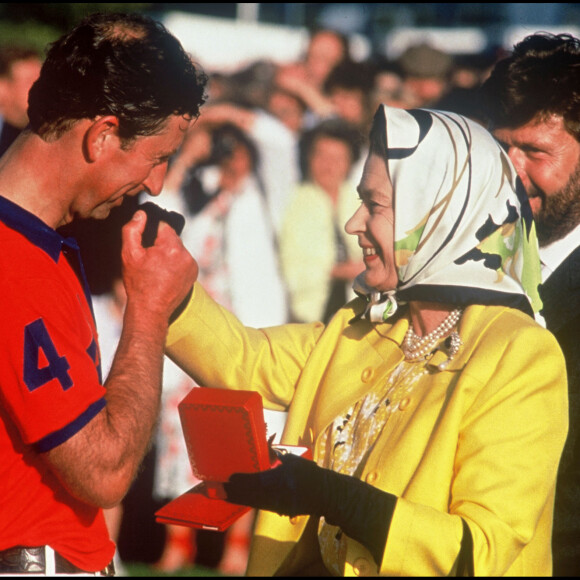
{"x":228,"y":45}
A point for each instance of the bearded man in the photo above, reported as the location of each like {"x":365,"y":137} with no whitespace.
{"x":532,"y":104}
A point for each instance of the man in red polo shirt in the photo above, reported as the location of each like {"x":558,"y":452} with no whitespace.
{"x":111,"y":106}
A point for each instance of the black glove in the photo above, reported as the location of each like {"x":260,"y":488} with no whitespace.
{"x":300,"y":487}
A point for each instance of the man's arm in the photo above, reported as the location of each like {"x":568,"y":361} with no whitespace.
{"x":98,"y":464}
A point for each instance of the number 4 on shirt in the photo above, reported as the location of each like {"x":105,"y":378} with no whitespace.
{"x":39,"y":371}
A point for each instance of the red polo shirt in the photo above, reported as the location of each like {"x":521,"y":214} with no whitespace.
{"x":50,"y":388}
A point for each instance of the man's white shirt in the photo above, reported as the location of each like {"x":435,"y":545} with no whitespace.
{"x":554,"y":254}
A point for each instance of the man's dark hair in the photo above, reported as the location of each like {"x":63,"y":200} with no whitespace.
{"x":539,"y":79}
{"x":126,"y":65}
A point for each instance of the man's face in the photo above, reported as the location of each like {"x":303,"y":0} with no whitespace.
{"x":140,"y":167}
{"x":547,"y":159}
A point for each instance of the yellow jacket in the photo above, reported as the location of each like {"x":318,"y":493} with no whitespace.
{"x":481,"y":443}
{"x":308,"y":245}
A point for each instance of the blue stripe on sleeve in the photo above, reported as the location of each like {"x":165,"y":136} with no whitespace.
{"x":56,"y":438}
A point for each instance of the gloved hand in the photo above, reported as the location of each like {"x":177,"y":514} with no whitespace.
{"x":300,"y":487}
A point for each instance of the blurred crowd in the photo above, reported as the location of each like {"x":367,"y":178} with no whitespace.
{"x":266,"y":180}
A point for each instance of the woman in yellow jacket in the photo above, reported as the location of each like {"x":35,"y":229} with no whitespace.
{"x":319,"y":260}
{"x":435,"y":404}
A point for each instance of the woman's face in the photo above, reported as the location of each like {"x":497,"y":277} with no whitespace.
{"x":373,"y":223}
{"x":330,"y":163}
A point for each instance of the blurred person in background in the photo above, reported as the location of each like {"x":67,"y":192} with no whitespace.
{"x":288,"y":108}
{"x":276,"y":163}
{"x":388,"y":86}
{"x":305,"y":79}
{"x":229,"y":152}
{"x":319,"y":260}
{"x":19,"y":68}
{"x":326,"y":49}
{"x":531,"y":101}
{"x":347,"y":94}
{"x":471,"y":70}
{"x":349,"y":88}
{"x":214,"y":182}
{"x":467,"y":75}
{"x":426,"y":73}
{"x":228,"y":224}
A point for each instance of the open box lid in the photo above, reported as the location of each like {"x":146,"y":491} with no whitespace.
{"x":224,"y":432}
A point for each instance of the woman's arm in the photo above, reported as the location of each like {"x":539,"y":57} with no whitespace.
{"x":211,"y":345}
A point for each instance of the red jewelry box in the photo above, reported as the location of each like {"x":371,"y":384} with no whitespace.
{"x":225,"y":433}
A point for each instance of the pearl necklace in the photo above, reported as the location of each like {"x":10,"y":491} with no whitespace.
{"x":415,"y":347}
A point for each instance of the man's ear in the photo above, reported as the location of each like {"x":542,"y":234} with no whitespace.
{"x":100,"y":137}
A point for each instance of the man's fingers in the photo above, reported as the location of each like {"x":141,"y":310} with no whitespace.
{"x":133,"y":230}
{"x":166,"y":232}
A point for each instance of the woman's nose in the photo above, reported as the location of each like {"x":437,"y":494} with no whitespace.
{"x":356,"y":223}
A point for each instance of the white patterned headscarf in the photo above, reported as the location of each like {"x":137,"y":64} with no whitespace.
{"x":464,"y":232}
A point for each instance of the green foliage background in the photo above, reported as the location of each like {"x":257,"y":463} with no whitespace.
{"x":36,"y":25}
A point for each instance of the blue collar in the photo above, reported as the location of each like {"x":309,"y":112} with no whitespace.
{"x":45,"y":238}
{"x":34,"y":229}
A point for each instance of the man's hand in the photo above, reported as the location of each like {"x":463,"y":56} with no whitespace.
{"x":155,"y":215}
{"x":157,"y":278}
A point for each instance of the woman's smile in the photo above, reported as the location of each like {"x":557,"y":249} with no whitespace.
{"x":370,"y":254}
